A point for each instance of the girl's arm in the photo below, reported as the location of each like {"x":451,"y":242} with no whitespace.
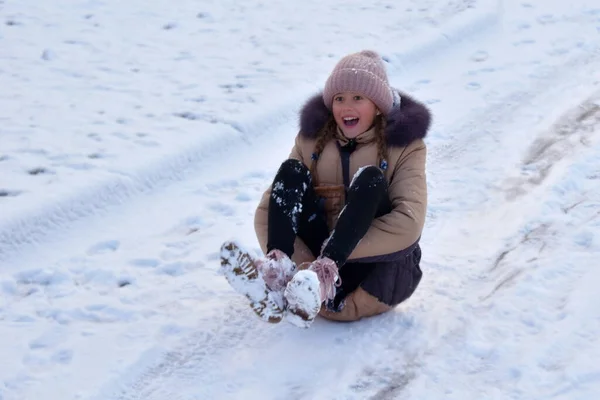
{"x":402,"y":227}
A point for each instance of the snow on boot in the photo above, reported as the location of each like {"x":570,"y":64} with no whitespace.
{"x":240,"y":271}
{"x":303,"y":299}
{"x":277,"y":269}
{"x":308,"y":289}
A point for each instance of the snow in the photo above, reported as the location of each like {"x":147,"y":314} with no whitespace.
{"x":122,"y":86}
{"x":137,"y":137}
{"x":303,"y":299}
{"x":240,"y":270}
{"x":289,"y":199}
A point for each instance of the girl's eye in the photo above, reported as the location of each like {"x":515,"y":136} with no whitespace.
{"x":357,"y":98}
{"x":339,"y":98}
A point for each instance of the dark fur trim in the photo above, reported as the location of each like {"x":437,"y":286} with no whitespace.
{"x":406,"y":123}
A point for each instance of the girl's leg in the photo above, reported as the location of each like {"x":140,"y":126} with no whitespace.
{"x":367,"y":198}
{"x":294,"y":210}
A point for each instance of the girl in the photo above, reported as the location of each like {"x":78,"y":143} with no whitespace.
{"x":341,"y":222}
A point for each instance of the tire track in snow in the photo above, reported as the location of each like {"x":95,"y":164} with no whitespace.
{"x":211,"y":364}
{"x":495,"y":286}
{"x":537,"y":333}
{"x":399,"y":361}
{"x":568,"y":135}
{"x":499,"y":112}
{"x":152,"y":383}
{"x":572,"y":134}
{"x":21,"y":233}
{"x":195,"y":360}
{"x":576,"y":130}
{"x":500,"y":130}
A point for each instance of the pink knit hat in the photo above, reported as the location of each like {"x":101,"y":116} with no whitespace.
{"x":364,"y":73}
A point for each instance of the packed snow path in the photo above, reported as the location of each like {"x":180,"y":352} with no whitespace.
{"x":125,"y":304}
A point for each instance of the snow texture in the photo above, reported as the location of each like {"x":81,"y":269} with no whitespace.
{"x":137,"y":137}
{"x":303,"y":299}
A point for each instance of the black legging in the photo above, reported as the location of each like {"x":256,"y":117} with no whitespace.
{"x":295,"y":210}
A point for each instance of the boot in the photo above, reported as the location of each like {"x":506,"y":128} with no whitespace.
{"x":241,"y":272}
{"x":308,"y":289}
{"x":277,"y":269}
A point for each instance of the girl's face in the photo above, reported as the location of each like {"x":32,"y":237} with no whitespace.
{"x":353,"y":113}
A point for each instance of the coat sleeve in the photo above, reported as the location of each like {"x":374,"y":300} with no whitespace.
{"x":403,"y":226}
{"x":261,"y":218}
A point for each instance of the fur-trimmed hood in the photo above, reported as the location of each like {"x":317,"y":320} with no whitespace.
{"x":409,"y":119}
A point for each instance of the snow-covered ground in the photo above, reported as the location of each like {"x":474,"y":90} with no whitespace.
{"x":136,"y":137}
{"x":102,"y":96}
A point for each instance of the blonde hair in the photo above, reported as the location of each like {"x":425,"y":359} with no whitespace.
{"x":327,"y":133}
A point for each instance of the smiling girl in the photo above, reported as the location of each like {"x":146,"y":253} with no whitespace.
{"x":340,"y":224}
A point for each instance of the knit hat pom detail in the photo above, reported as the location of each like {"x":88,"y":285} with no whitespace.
{"x":370,"y":54}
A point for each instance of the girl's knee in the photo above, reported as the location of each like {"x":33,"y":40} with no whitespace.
{"x":292,"y":170}
{"x":291,"y":165}
{"x":371,"y":176}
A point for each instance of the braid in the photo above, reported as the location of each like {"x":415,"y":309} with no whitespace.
{"x":381,"y":144}
{"x":325,"y":135}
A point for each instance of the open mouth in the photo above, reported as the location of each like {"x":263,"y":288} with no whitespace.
{"x":350,"y":121}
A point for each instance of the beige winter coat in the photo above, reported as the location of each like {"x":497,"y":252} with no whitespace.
{"x":406,"y":127}
{"x":408,"y":191}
